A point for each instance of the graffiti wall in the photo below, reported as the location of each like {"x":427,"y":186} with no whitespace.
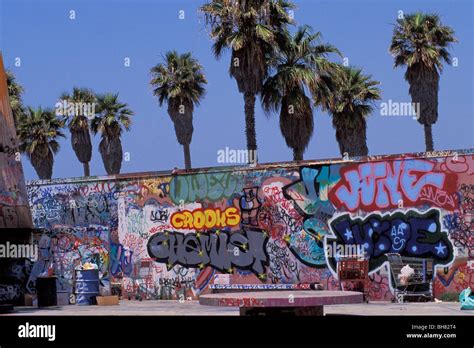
{"x":65,"y":248}
{"x":14,"y":276}
{"x":172,"y":236}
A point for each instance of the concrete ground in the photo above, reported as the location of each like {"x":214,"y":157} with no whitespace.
{"x":194,"y":308}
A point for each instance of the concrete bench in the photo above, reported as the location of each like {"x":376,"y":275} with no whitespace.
{"x":281,"y":303}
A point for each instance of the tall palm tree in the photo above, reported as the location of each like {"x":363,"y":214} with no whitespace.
{"x":113,"y":117}
{"x":420,"y":42}
{"x":179,"y":81}
{"x":38,"y":132}
{"x":252,"y":30}
{"x":299,"y":67}
{"x":15,"y":91}
{"x":78,"y":125}
{"x":349,"y":104}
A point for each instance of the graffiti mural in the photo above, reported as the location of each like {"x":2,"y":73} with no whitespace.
{"x":173,"y":235}
{"x":62,"y":249}
{"x":382,"y":185}
{"x":200,"y":219}
{"x":212,"y":187}
{"x":219,"y":249}
{"x":74,"y":204}
{"x":407,"y":233}
{"x":10,"y":292}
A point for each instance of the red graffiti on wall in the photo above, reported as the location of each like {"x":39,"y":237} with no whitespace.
{"x":99,"y":187}
{"x":391,"y":184}
{"x":459,"y":164}
{"x":455,"y":278}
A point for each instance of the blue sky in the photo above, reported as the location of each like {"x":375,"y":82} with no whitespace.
{"x":58,"y":53}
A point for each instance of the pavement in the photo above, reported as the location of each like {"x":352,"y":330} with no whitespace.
{"x":154,"y":308}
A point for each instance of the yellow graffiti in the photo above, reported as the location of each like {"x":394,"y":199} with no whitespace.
{"x":200,"y":219}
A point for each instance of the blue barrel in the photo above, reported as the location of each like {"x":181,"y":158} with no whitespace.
{"x":87,"y":286}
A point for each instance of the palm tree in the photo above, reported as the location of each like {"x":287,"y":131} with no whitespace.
{"x":252,"y":29}
{"x":420,"y":42}
{"x":299,"y":66}
{"x":112,"y":118}
{"x":179,"y":81}
{"x":78,"y":124}
{"x":15,"y":91}
{"x":38,"y":132}
{"x":349,"y":104}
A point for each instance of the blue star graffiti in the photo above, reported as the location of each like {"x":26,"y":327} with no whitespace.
{"x":408,"y":233}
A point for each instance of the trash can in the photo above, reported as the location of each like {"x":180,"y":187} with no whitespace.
{"x":46,"y":291}
{"x":87,"y":286}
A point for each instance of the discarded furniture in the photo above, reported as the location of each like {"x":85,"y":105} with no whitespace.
{"x":281,"y":303}
{"x":411,"y":277}
{"x":355,"y":271}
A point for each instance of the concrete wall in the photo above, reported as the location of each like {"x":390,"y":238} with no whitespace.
{"x":14,"y":212}
{"x":173,"y":234}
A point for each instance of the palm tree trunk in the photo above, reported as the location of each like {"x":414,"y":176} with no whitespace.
{"x":297,"y":155}
{"x":187,"y":156}
{"x":82,"y":146}
{"x":86,"y":169}
{"x":250,"y":132}
{"x":110,"y":149}
{"x":428,"y":137}
{"x":42,"y":162}
{"x":352,"y":141}
{"x":358,"y":148}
